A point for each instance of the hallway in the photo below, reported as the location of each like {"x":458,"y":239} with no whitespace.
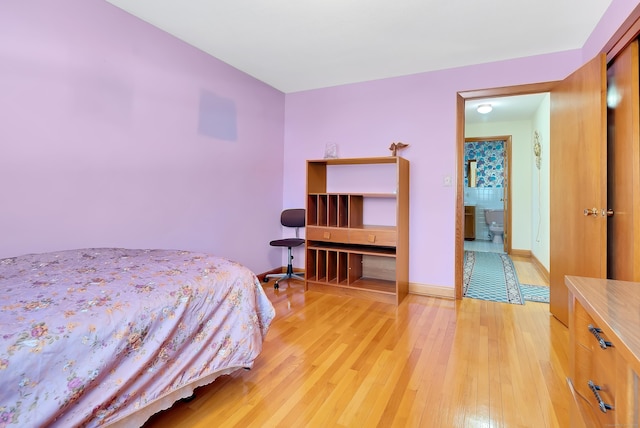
{"x":526,"y":270}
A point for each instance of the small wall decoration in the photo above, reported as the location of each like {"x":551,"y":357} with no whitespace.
{"x":394,"y":147}
{"x":537,"y":148}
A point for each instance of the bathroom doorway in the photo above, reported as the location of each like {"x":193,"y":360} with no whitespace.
{"x":487,"y":178}
{"x":493,"y":124}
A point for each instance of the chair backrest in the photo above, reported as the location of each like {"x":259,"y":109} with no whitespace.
{"x":293,"y":217}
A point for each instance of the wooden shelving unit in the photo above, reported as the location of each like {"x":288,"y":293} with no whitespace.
{"x":469,"y":222}
{"x":344,"y":253}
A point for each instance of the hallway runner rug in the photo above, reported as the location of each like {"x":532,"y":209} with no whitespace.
{"x":491,"y":276}
{"x":535,"y":293}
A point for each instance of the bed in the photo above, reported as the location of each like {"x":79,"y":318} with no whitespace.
{"x":110,"y":336}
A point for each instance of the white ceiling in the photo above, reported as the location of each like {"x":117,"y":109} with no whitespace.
{"x":297,"y":45}
{"x":505,"y":109}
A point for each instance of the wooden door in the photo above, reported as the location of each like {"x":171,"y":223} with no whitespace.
{"x":623,"y":233}
{"x":578,"y":242}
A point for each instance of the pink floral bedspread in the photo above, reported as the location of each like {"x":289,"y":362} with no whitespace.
{"x":90,"y":336}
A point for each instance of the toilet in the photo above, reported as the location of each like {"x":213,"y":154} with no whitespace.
{"x":495,"y":221}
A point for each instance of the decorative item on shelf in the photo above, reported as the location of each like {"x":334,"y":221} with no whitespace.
{"x":331,"y":151}
{"x":394,"y":147}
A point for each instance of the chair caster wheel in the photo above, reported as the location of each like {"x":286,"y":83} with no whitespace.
{"x":276,"y":286}
{"x":265,"y":279}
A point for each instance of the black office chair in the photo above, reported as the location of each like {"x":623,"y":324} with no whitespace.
{"x":294,"y":217}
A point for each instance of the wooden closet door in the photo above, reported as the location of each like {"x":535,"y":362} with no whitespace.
{"x":578,"y":242}
{"x":623,"y":234}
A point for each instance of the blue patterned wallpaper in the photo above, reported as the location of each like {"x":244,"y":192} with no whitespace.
{"x":490,"y":157}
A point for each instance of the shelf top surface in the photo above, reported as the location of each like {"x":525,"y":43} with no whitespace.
{"x":364,"y":195}
{"x":367,"y":227}
{"x":356,"y":161}
{"x":370,"y":250}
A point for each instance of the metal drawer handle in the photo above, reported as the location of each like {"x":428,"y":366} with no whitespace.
{"x":603,"y":406}
{"x":596,"y":332}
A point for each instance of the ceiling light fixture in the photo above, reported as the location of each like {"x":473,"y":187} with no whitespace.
{"x":484,"y":108}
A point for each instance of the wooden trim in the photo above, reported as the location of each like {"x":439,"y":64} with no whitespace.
{"x":521,"y":253}
{"x":540,"y":268}
{"x":432,"y":290}
{"x":459,"y":244}
{"x":627,"y":33}
{"x":507,"y":91}
{"x":490,"y":138}
{"x":508,"y":226}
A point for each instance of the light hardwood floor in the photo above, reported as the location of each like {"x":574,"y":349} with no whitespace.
{"x":527,"y":272}
{"x":338,"y":361}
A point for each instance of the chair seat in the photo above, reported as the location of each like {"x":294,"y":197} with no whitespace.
{"x":287,"y":242}
{"x":294,"y":217}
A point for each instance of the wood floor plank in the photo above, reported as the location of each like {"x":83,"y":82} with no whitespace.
{"x":332,"y":360}
{"x":527,"y":272}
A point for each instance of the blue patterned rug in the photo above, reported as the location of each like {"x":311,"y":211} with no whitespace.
{"x":535,"y":293}
{"x":491,"y":276}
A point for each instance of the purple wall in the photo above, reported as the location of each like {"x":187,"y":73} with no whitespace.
{"x":114,"y":133}
{"x":613,"y":18}
{"x":364,"y":118}
{"x":102,"y":142}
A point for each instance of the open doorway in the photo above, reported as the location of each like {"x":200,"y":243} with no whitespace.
{"x":487,"y":175}
{"x":484,"y":126}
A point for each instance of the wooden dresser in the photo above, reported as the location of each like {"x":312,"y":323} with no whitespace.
{"x":604,"y":329}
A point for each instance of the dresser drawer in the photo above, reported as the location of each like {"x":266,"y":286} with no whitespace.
{"x":582,"y":322}
{"x":383,"y":238}
{"x":596,"y":365}
{"x":327,"y":234}
{"x":604,"y":375}
{"x":612,"y":307}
